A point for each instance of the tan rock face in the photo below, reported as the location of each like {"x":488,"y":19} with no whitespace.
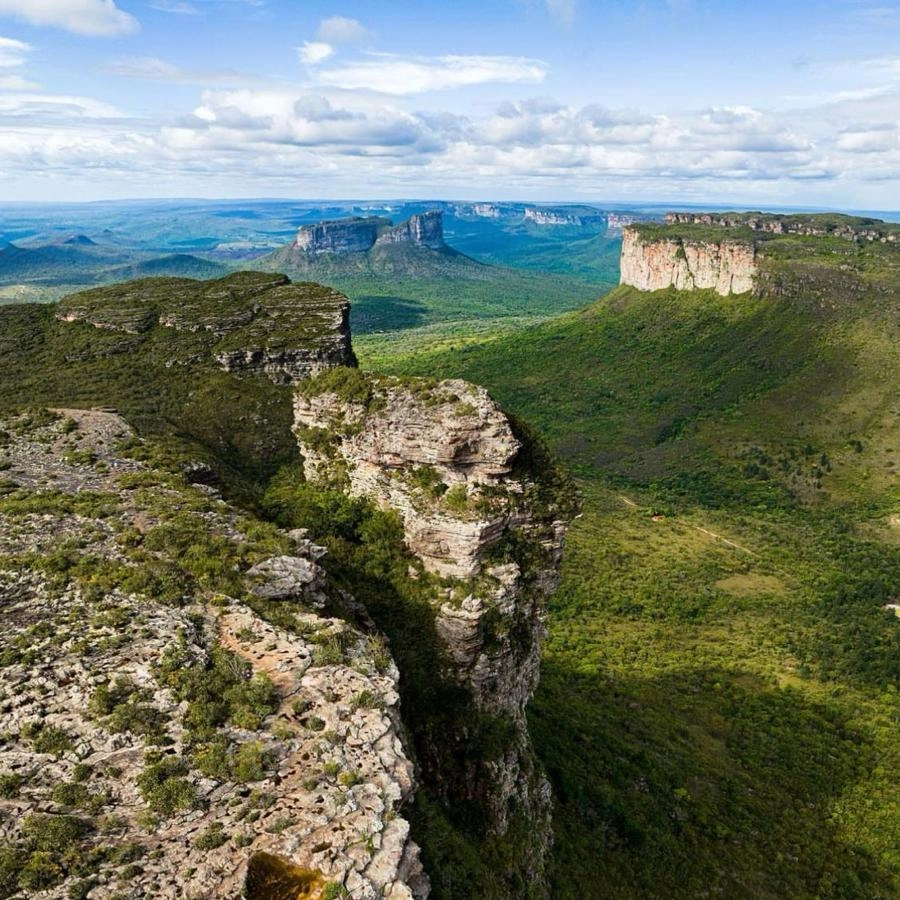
{"x":726,"y":266}
{"x":449,"y":462}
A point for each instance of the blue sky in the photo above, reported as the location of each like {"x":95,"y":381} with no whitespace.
{"x":781,"y":103}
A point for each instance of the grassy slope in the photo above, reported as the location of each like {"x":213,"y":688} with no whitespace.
{"x":719,"y":707}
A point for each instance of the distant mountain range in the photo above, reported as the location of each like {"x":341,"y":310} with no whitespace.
{"x":49,"y":270}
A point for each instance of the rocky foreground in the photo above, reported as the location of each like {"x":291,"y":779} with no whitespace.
{"x":160,"y":741}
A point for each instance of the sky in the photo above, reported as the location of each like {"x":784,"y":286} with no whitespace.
{"x":787,"y":103}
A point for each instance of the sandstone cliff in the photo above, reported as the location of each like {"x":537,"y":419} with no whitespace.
{"x":444,"y":456}
{"x":652,"y":264}
{"x":359,"y":235}
{"x":850,"y":228}
{"x":426,"y":230}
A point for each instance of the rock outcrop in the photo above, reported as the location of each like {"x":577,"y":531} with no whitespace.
{"x":727,"y":266}
{"x":485,"y":524}
{"x":355,"y":235}
{"x":359,"y":235}
{"x":426,"y":230}
{"x":163,"y":745}
{"x":244,"y":323}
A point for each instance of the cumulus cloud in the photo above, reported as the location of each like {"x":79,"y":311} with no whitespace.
{"x":341,"y":30}
{"x":391,"y":74}
{"x":97,"y":18}
{"x":275,"y":135}
{"x":314,"y":52}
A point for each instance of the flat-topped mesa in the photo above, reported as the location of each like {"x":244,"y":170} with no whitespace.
{"x":485,"y":510}
{"x":851,"y":228}
{"x":356,"y":235}
{"x":359,"y":235}
{"x":248,"y":322}
{"x":659,"y":261}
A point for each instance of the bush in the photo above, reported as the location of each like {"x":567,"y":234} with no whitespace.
{"x":164,"y":788}
{"x":10,"y":785}
{"x":212,"y":837}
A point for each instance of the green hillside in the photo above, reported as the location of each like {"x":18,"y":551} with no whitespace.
{"x":719,"y":703}
{"x":414,"y":295}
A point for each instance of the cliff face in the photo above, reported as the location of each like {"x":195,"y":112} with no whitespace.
{"x":426,"y":230}
{"x":360,"y":235}
{"x":726,"y":266}
{"x":446,"y":458}
{"x":226,"y":754}
{"x":341,"y":235}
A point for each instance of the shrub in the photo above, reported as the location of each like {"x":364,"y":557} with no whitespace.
{"x":212,"y":837}
{"x":164,"y":788}
{"x":10,"y":785}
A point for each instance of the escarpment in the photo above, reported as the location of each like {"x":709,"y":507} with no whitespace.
{"x":851,"y":228}
{"x":201,"y":703}
{"x":485,"y":514}
{"x":727,"y":266}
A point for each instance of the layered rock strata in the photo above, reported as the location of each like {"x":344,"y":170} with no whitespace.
{"x":118,"y":773}
{"x":846,"y":227}
{"x":725,"y":266}
{"x":486,"y":526}
{"x":359,"y":235}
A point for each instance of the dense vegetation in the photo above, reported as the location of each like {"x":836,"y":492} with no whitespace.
{"x":719,"y":705}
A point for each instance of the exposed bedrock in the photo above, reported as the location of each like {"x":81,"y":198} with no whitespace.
{"x":727,"y":266}
{"x":485,"y":512}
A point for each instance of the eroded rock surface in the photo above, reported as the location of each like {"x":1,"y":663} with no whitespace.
{"x":160,"y":733}
{"x":245,"y":323}
{"x":359,"y":235}
{"x":479,"y":515}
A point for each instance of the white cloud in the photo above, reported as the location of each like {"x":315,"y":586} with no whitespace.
{"x":12,"y":55}
{"x":314,"y":52}
{"x":16,"y":83}
{"x":341,"y":30}
{"x":391,"y":74}
{"x":45,"y":108}
{"x":97,"y":18}
{"x":153,"y":68}
{"x":13,"y":52}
